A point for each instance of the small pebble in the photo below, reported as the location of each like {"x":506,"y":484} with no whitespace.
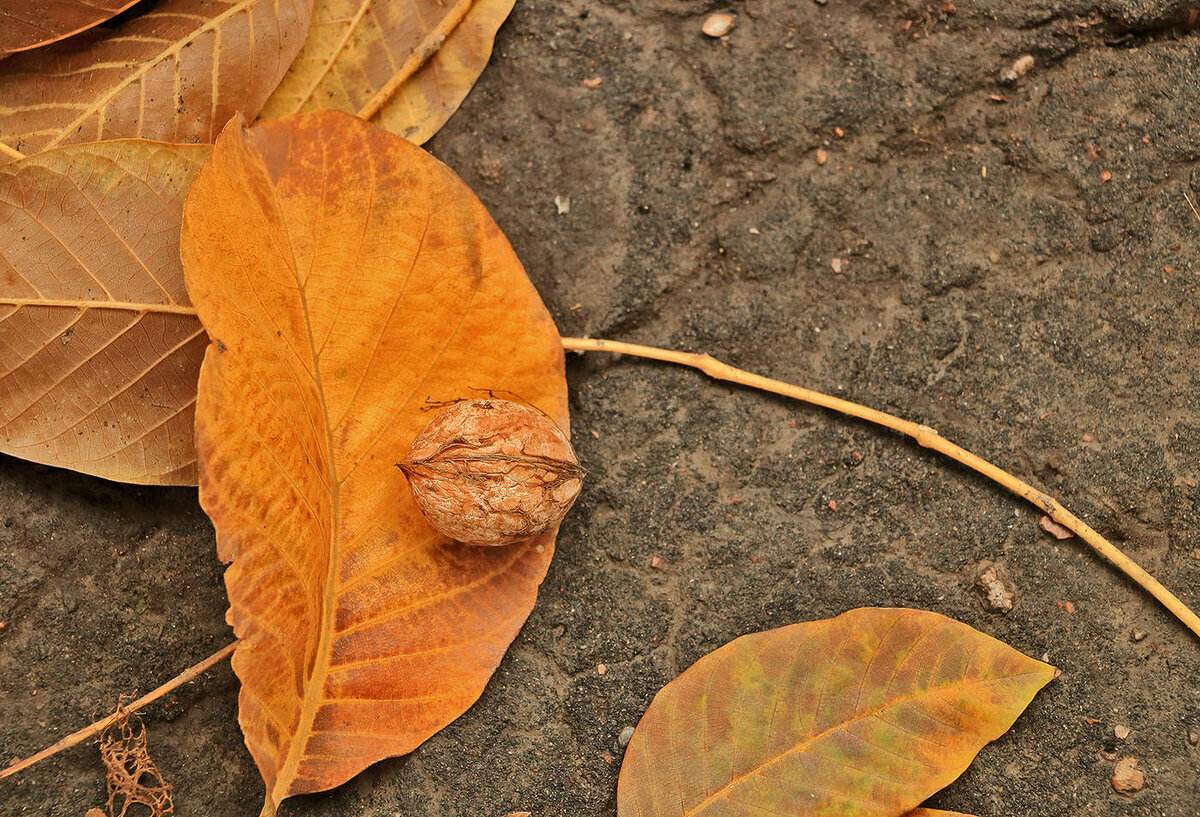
{"x":997,"y":593}
{"x":625,"y":736}
{"x":593,"y":82}
{"x":1023,"y":64}
{"x":836,"y":265}
{"x":1194,"y":737}
{"x":1137,"y":635}
{"x":1121,"y":732}
{"x":1106,"y":176}
{"x":718,"y":24}
{"x":601,"y":669}
{"x":563,"y":203}
{"x":822,"y":156}
{"x":1126,"y":777}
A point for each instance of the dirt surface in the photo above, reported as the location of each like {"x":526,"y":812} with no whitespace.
{"x":1015,"y":265}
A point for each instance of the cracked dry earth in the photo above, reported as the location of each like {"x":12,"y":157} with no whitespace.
{"x":1039,"y":314}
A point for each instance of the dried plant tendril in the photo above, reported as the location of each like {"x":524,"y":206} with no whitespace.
{"x":492,"y":472}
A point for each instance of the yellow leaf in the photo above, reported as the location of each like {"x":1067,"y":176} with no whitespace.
{"x":347,"y":278}
{"x":406,"y":65}
{"x":863,"y":715}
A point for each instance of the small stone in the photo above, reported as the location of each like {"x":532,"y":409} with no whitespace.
{"x":625,"y":736}
{"x":1106,"y":176}
{"x":718,"y":24}
{"x":1126,"y":777}
{"x":1194,"y":737}
{"x":1023,"y":64}
{"x":836,"y":265}
{"x":833,"y":506}
{"x":822,"y":156}
{"x":593,"y":82}
{"x":997,"y":591}
{"x":601,"y":669}
{"x":563,"y":203}
{"x":1121,"y":732}
{"x":994,"y":257}
{"x":656,"y":563}
{"x":489,"y":169}
{"x":1087,"y":438}
{"x":1137,"y":635}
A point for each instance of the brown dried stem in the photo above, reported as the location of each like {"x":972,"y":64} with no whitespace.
{"x":925,"y":437}
{"x":99,"y":726}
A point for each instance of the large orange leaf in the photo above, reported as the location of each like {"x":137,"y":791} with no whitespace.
{"x":177,"y":74}
{"x":26,"y":24}
{"x":407,"y":65}
{"x":100,"y":348}
{"x":863,"y":715}
{"x":346,"y":278}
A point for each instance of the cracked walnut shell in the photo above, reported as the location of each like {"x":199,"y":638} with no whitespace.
{"x":492,"y":472}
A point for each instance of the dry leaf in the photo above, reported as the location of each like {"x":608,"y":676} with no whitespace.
{"x":30,"y":23}
{"x":133,"y":778}
{"x":176,"y":73}
{"x":867,"y":713}
{"x":100,"y":348}
{"x":406,"y":65}
{"x":1054,"y":529}
{"x":933,"y":812}
{"x":343,"y":288}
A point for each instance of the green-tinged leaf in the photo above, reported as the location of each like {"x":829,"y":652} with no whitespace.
{"x":863,"y":715}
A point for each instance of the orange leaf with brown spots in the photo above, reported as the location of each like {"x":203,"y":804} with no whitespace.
{"x":347,"y":279}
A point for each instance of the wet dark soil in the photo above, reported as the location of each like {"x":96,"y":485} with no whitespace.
{"x":1013,"y":263}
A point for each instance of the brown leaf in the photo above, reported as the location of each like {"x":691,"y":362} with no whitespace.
{"x":934,"y":812}
{"x":100,"y":348}
{"x":177,"y":74}
{"x":867,"y":713}
{"x":406,"y":65}
{"x":1054,"y":529}
{"x":29,"y":23}
{"x":343,"y":288}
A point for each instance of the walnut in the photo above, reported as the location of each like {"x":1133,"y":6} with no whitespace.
{"x":492,"y":472}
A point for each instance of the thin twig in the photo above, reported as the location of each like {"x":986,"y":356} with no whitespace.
{"x":11,"y":152}
{"x":420,"y":55}
{"x":1188,"y":199}
{"x":102,"y":724}
{"x":925,"y":437}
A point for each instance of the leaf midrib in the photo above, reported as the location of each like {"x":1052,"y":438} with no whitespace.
{"x":125,"y":306}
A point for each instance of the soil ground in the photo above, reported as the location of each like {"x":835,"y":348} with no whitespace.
{"x":1016,"y":266}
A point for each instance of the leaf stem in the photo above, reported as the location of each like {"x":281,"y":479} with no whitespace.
{"x":420,"y":55}
{"x":925,"y":436}
{"x":102,"y":724}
